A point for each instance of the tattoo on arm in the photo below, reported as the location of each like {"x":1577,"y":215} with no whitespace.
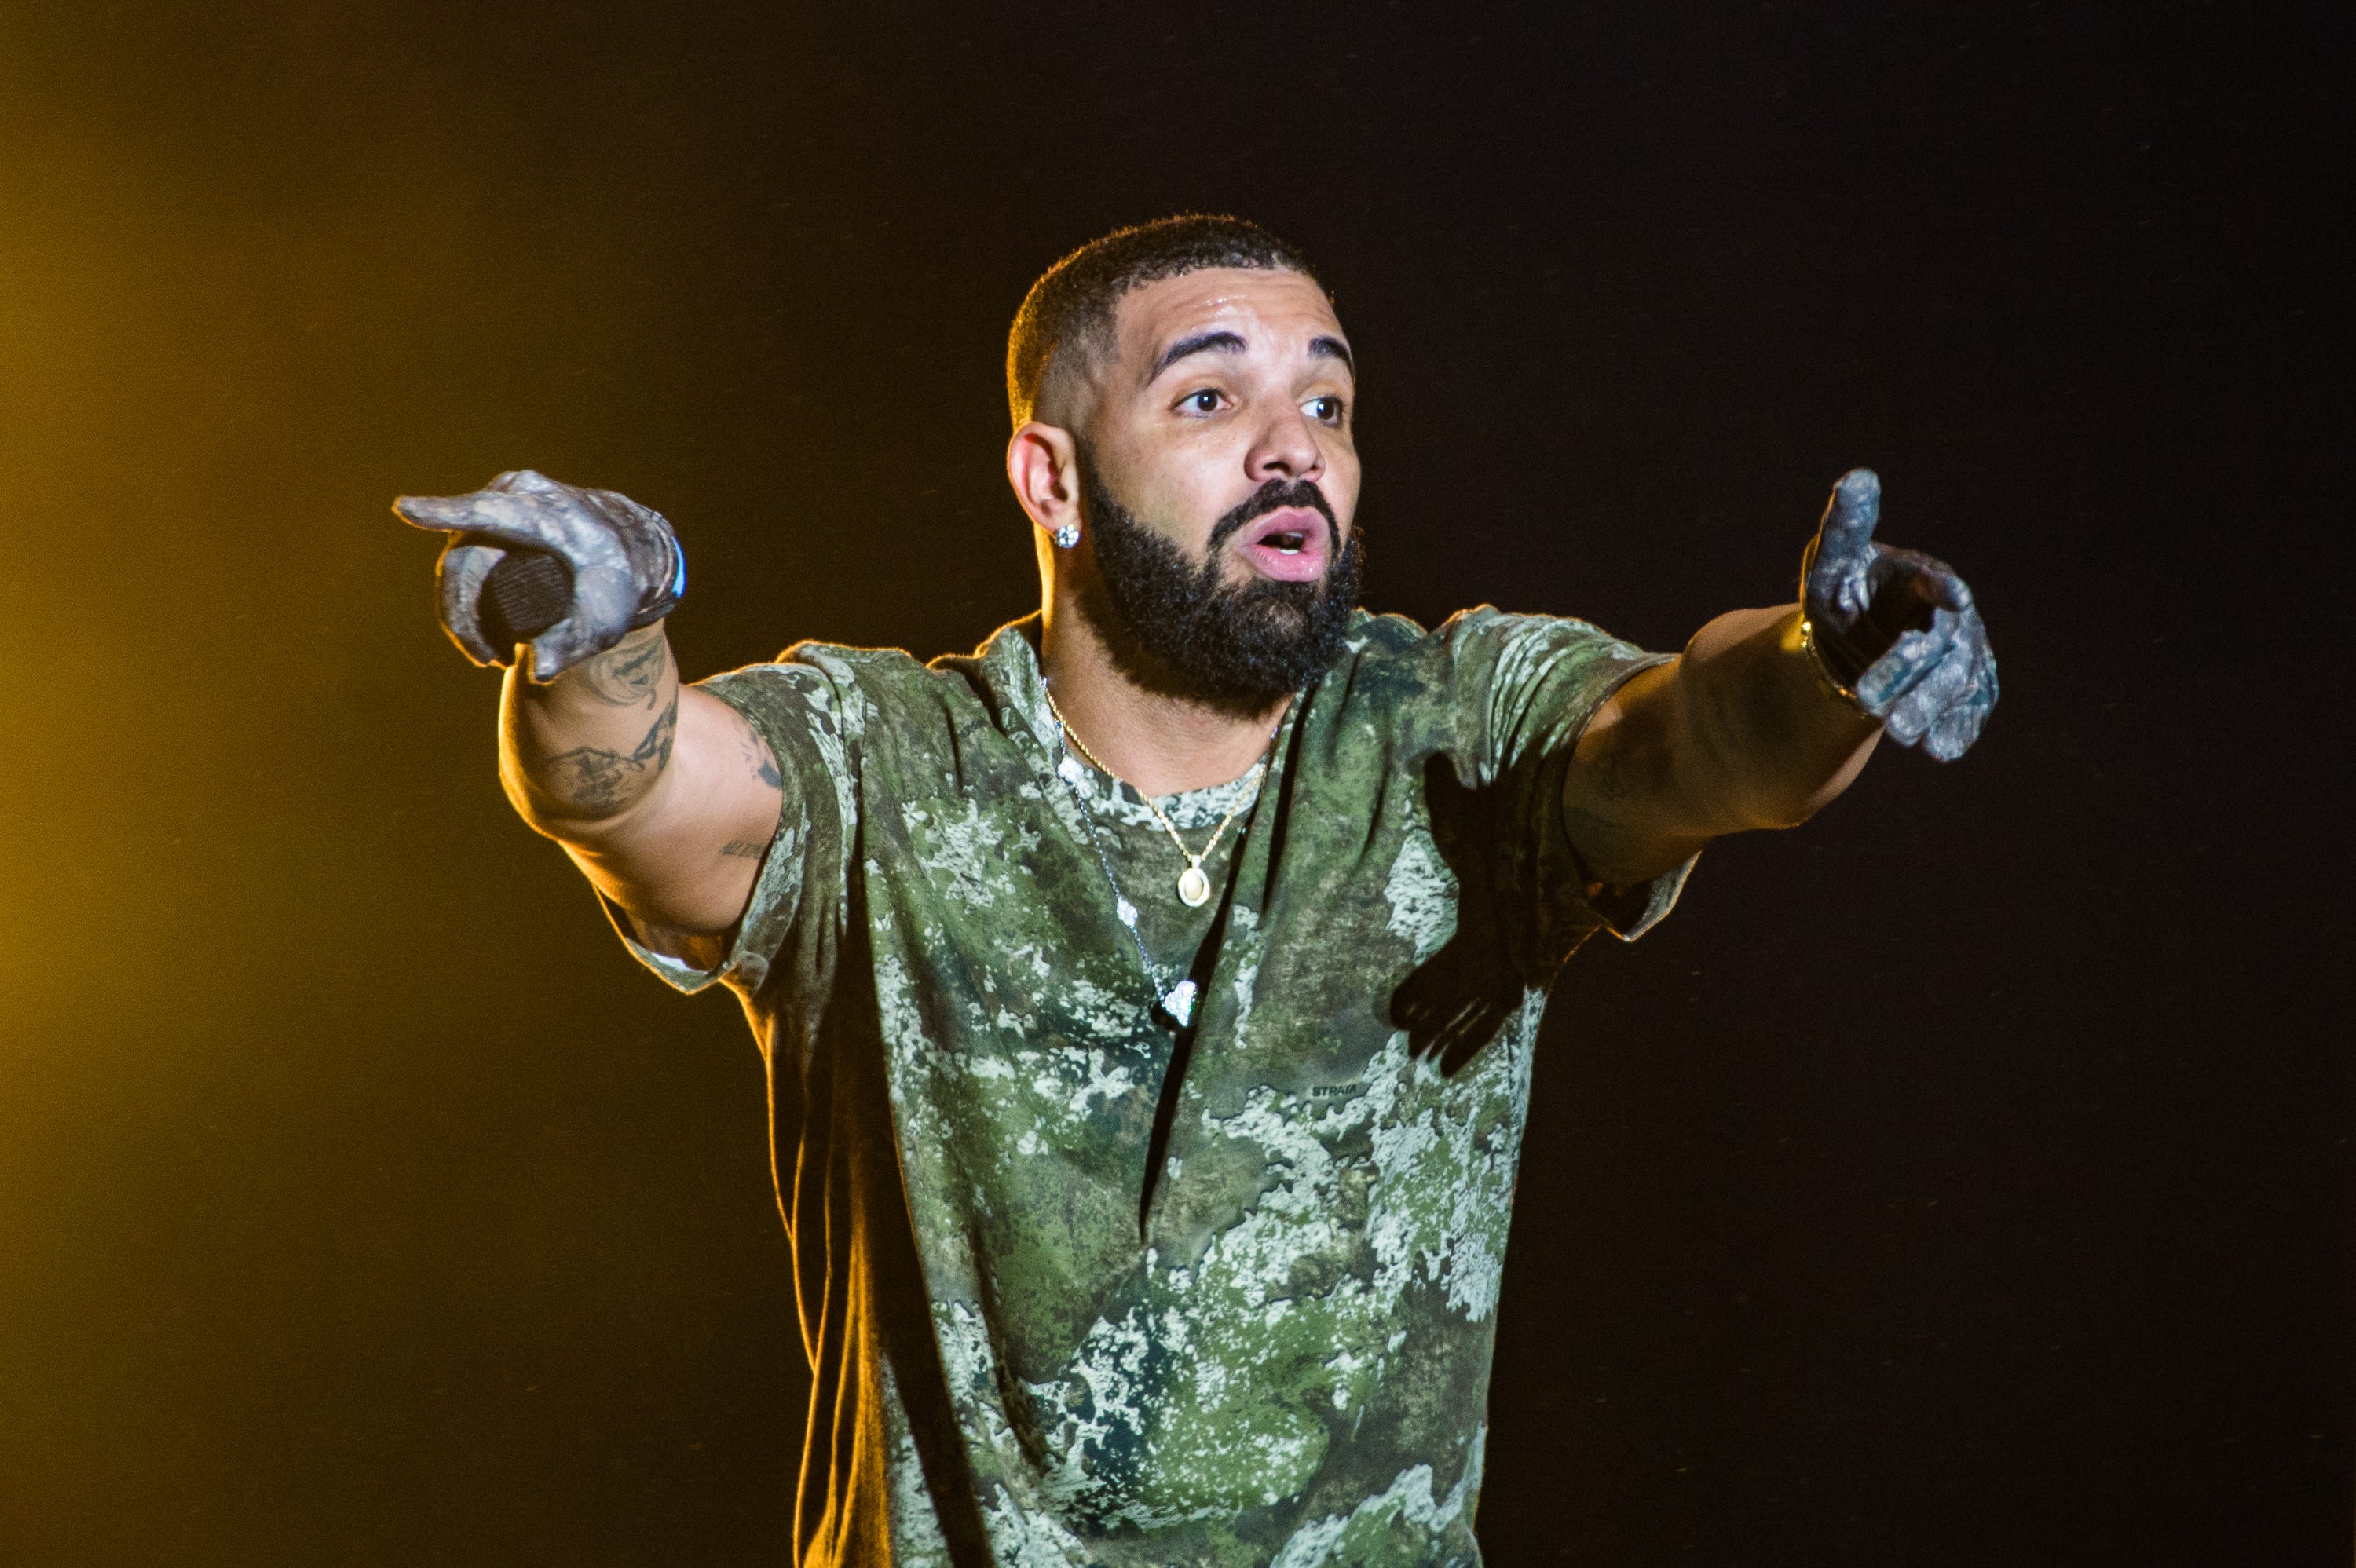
{"x":744,"y":848}
{"x":595,"y":778}
{"x":759,"y":758}
{"x":631,"y":671}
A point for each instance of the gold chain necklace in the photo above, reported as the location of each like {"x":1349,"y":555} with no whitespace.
{"x":1194,"y":882}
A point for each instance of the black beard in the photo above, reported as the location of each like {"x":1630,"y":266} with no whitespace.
{"x":1238,"y":647}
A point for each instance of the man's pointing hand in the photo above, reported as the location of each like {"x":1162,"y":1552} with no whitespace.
{"x":1895,"y":627}
{"x":626,"y":566}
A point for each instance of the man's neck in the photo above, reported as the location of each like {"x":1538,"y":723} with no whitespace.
{"x":1157,"y":742}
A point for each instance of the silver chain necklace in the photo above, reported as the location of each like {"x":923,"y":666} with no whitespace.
{"x":1176,"y":1003}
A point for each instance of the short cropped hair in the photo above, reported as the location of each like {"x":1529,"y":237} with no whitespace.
{"x":1067,"y":317}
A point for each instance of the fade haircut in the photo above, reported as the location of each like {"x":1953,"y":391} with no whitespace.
{"x":1067,"y":319}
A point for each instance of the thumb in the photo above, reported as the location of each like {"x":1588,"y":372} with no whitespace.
{"x":1846,"y":531}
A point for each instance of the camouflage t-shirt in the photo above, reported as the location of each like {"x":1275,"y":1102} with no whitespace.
{"x":1079,"y":1285}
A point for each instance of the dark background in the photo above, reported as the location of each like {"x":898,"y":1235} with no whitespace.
{"x":1964,"y":1179}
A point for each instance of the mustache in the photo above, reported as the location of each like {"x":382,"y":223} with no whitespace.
{"x":1274,"y":496}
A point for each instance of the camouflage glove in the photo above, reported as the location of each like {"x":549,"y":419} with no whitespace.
{"x":1892,"y":630}
{"x":618,"y":567}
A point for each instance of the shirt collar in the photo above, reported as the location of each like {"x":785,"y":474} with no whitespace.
{"x":1010,"y":663}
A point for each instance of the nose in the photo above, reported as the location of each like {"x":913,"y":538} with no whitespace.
{"x":1287,"y":449}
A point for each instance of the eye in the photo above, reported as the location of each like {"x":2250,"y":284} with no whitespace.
{"x":1327,"y":409}
{"x":1205,"y":402}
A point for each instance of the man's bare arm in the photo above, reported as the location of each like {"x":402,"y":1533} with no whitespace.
{"x":663,"y":795}
{"x":1736,"y":734}
{"x":666,"y":797}
{"x":1770,"y":713}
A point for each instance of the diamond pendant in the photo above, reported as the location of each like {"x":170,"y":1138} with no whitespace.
{"x":1193,"y":887}
{"x":1180,"y":1003}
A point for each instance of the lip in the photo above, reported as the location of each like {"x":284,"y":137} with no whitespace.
{"x":1261,"y":543}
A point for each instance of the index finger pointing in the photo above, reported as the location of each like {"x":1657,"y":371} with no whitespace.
{"x":1850,"y":515}
{"x":444,"y":513}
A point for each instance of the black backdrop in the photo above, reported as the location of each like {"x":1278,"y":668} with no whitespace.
{"x":1962,"y":1178}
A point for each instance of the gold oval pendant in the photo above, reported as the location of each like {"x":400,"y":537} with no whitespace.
{"x":1193,"y":887}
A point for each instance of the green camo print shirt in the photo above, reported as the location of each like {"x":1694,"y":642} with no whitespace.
{"x":1036,"y":1344}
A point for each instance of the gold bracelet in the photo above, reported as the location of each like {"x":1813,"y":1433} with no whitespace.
{"x":1825,"y":676}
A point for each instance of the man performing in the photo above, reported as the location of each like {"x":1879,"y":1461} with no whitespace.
{"x":1149,"y":997}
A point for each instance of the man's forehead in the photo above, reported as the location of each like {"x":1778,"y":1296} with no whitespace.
{"x":1267,"y":308}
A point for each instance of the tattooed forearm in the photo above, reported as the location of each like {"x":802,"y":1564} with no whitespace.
{"x":600,"y":781}
{"x":631,"y":671}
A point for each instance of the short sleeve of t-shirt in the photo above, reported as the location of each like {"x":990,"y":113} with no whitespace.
{"x":807,"y":706}
{"x":1525,"y":687}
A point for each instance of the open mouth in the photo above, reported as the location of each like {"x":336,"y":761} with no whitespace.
{"x":1289,"y":545}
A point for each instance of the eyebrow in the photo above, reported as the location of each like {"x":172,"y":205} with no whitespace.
{"x":1220,"y":341}
{"x":1201,"y":343}
{"x":1334,"y":349}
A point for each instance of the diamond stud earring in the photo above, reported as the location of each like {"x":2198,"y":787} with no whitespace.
{"x":1066,"y":537}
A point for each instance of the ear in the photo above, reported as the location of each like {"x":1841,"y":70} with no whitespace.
{"x":1043,"y":465}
